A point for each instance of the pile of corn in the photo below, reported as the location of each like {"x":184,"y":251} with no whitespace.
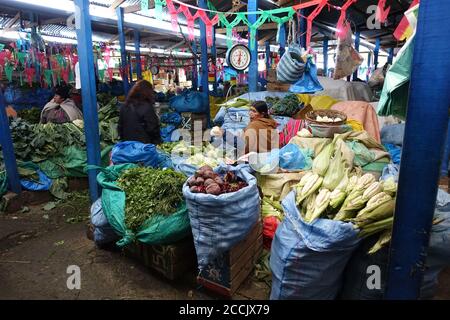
{"x":331,"y":191}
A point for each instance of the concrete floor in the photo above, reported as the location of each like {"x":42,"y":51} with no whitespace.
{"x":37,"y":247}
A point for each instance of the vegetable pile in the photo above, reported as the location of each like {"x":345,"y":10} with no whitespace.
{"x":207,"y":181}
{"x":238,"y":103}
{"x":32,"y":115}
{"x":331,"y":191}
{"x":150,"y":192}
{"x":288,"y":106}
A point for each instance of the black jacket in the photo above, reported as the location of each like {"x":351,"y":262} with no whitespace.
{"x":139,"y":123}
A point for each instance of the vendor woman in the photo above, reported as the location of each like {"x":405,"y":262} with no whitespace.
{"x":261,"y":134}
{"x":138,"y":120}
{"x":61,"y":108}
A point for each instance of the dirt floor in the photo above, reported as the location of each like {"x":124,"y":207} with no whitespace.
{"x":36,"y":248}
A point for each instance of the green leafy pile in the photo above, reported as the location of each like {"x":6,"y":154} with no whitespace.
{"x":32,"y":115}
{"x":288,"y":106}
{"x":150,"y":192}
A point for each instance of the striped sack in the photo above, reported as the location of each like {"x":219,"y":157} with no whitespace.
{"x":291,"y":67}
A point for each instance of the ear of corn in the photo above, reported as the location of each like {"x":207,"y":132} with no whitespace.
{"x":375,"y":202}
{"x":376,"y":227}
{"x":364,"y":182}
{"x":305,"y":178}
{"x":335,"y":173}
{"x":352,"y":181}
{"x":374,"y":189}
{"x":383,"y":211}
{"x":310,"y":187}
{"x":384,"y":239}
{"x":322,"y":161}
{"x":355,"y":203}
{"x":390,"y":186}
{"x":337,"y":197}
{"x":344,"y":181}
{"x":309,"y":204}
{"x":344,"y":215}
{"x":320,"y":204}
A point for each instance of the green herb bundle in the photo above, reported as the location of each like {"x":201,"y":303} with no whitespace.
{"x":150,"y":192}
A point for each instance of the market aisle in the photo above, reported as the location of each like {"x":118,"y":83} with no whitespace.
{"x":35,"y":253}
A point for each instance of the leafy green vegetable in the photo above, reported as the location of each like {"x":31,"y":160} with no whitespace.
{"x":32,"y":115}
{"x":150,"y":192}
{"x":288,"y":106}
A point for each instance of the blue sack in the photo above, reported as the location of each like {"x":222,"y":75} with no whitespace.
{"x":292,"y":157}
{"x":103,"y":232}
{"x":135,"y":152}
{"x":308,"y":260}
{"x":166,"y":133}
{"x":188,"y":101}
{"x":44,"y":182}
{"x":394,"y":151}
{"x":171,"y":118}
{"x":309,"y":83}
{"x":393,"y":134}
{"x":220,"y":222}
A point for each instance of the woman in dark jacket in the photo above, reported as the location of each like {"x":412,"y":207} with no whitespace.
{"x":138,"y":120}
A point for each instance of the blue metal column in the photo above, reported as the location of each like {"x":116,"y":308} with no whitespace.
{"x":214,"y":59}
{"x":137,"y":49}
{"x":282,"y":40}
{"x":357,"y":39}
{"x":252,"y":6}
{"x":376,"y":52}
{"x":195,"y":70}
{"x":90,"y":115}
{"x":325,"y":56}
{"x":8,"y":148}
{"x":204,"y":56}
{"x":130,"y":68}
{"x":422,"y":152}
{"x":303,"y":27}
{"x":123,"y":51}
{"x":268,"y":59}
{"x":369,"y":62}
{"x":391,"y":56}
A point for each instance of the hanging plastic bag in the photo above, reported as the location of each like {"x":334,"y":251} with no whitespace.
{"x":309,"y":83}
{"x":348,"y":59}
{"x":291,"y":66}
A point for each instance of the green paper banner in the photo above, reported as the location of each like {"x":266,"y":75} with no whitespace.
{"x":101,"y":75}
{"x":48,"y":75}
{"x":21,"y":57}
{"x":9,"y":68}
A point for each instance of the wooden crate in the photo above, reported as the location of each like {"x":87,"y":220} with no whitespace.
{"x":225,"y":275}
{"x":172,"y":261}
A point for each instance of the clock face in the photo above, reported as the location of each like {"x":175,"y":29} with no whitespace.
{"x":239,"y":57}
{"x":154,"y":70}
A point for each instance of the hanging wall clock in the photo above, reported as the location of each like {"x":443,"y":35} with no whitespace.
{"x":154,"y":70}
{"x":238,"y":57}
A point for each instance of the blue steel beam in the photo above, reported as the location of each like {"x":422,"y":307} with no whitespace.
{"x":137,"y":49}
{"x":422,"y":152}
{"x":391,"y":56}
{"x":195,"y":69}
{"x":214,"y":59}
{"x":282,"y":39}
{"x":369,"y":61}
{"x":8,"y":149}
{"x":303,"y":27}
{"x":252,"y":6}
{"x":357,"y":40}
{"x":325,"y":57}
{"x":130,"y":69}
{"x":88,"y":91}
{"x":376,"y":52}
{"x":268,"y":59}
{"x":123,"y":51}
{"x":204,"y":57}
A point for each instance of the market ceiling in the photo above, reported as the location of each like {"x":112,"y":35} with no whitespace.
{"x":53,"y":21}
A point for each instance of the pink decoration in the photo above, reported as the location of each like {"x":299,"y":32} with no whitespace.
{"x":190,"y":21}
{"x":310,"y":19}
{"x":110,"y":72}
{"x":209,"y":23}
{"x":30,"y":72}
{"x":342,"y":26}
{"x":173,"y":13}
{"x":382,"y":14}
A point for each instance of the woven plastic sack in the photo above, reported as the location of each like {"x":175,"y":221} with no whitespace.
{"x":103,"y":232}
{"x":135,"y":152}
{"x":44,"y":182}
{"x":308,"y":260}
{"x":159,"y":229}
{"x":220,"y":222}
{"x":188,"y":101}
{"x":291,"y":66}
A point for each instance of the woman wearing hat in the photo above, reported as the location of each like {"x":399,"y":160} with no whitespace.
{"x":61,"y":109}
{"x":261,"y":134}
